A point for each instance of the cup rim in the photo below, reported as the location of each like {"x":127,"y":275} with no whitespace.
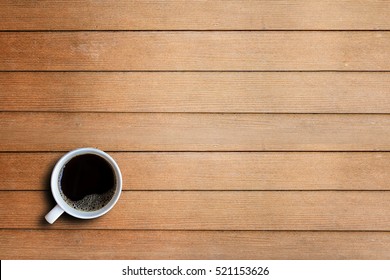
{"x":55,"y":183}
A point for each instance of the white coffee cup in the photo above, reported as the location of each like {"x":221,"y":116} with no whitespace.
{"x":62,"y":206}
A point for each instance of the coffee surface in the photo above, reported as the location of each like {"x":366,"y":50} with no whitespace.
{"x":87,"y":182}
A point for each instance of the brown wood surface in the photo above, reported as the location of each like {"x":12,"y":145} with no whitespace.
{"x":217,"y":171}
{"x":116,"y":244}
{"x":245,"y":92}
{"x":200,"y":51}
{"x":199,"y":15}
{"x":244,"y":129}
{"x":213,"y":210}
{"x":193,"y":132}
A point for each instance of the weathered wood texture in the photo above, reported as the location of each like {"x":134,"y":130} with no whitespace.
{"x":239,"y":92}
{"x":217,"y":171}
{"x":195,"y":15}
{"x":213,"y":210}
{"x":200,"y":51}
{"x":114,"y":244}
{"x":193,"y":132}
{"x":244,"y":129}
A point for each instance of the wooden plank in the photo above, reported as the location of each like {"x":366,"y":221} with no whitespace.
{"x":217,"y":171}
{"x":200,"y":15}
{"x":193,"y":132}
{"x":176,"y":51}
{"x":246,"y":92}
{"x":213,"y":210}
{"x":108,"y":244}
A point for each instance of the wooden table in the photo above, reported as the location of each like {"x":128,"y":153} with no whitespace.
{"x":244,"y":129}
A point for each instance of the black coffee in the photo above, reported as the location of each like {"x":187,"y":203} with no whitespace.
{"x":87,"y":182}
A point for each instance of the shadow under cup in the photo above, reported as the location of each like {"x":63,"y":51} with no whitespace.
{"x":86,"y":183}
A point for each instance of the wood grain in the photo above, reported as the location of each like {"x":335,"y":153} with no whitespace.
{"x":244,"y":129}
{"x":200,"y":15}
{"x":108,"y":244}
{"x":213,"y":210}
{"x":245,"y":92}
{"x":193,"y":132}
{"x":217,"y":171}
{"x":198,"y":51}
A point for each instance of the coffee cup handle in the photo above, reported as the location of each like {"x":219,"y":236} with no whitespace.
{"x":54,"y":214}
